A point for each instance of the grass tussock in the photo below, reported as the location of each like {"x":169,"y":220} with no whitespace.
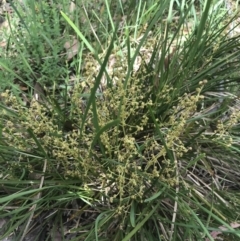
{"x":132,"y":135}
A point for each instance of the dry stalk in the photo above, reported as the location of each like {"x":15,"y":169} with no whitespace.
{"x":176,"y":199}
{"x":32,"y":209}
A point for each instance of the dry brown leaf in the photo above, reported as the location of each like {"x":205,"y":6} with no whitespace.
{"x":215,"y":234}
{"x":4,"y":26}
{"x":111,"y":61}
{"x":38,"y":92}
{"x":3,"y":43}
{"x":56,"y":235}
{"x":72,"y":7}
{"x":72,"y":48}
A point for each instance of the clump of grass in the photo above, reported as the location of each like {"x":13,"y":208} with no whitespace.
{"x":139,"y":144}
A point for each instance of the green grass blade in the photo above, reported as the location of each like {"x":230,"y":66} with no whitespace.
{"x":80,"y":35}
{"x":95,"y":87}
{"x":133,"y":214}
{"x":140,"y":224}
{"x":103,"y":129}
{"x":156,"y":195}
